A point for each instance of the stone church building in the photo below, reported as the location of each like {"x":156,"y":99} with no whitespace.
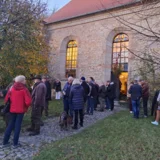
{"x":88,"y":38}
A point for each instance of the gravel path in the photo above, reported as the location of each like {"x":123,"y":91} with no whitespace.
{"x":50,"y":132}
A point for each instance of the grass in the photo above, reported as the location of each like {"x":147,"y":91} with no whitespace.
{"x":118,"y":137}
{"x":55,"y":108}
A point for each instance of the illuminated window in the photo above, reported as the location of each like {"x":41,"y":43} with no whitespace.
{"x":120,"y":52}
{"x":71,"y":59}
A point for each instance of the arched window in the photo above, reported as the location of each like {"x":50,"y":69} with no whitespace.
{"x":120,"y":52}
{"x":120,"y":61}
{"x":71,"y":58}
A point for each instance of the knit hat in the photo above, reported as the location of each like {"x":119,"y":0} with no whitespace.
{"x":83,"y":78}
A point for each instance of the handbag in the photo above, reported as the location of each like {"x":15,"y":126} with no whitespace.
{"x":6,"y":108}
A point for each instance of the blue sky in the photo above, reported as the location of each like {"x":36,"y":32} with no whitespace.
{"x":55,"y":3}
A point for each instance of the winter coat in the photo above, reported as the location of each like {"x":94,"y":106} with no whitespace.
{"x":97,"y":89}
{"x":135,"y":91}
{"x":20,"y":98}
{"x":39,"y":94}
{"x":111,"y":91}
{"x":85,"y":87}
{"x":57,"y":86}
{"x":66,"y":90}
{"x":48,"y":87}
{"x":92,"y":91}
{"x":145,"y":90}
{"x":102,"y":91}
{"x":77,"y":97}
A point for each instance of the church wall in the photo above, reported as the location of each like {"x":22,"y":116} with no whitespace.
{"x":94,"y":35}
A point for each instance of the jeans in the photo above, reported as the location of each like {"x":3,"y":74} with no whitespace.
{"x":135,"y":107}
{"x":145,"y":107}
{"x":108,"y":105}
{"x":80,"y":112}
{"x":67,"y":107}
{"x":91,"y":104}
{"x":14,"y":124}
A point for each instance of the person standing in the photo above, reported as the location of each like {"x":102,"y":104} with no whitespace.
{"x":129,"y":99}
{"x":66,"y":93}
{"x":91,"y":96}
{"x":86,"y":90}
{"x":156,"y":122}
{"x":108,"y":105}
{"x":57,"y":87}
{"x":97,"y":95}
{"x":102,"y":96}
{"x":48,"y":94}
{"x":154,"y":103}
{"x":77,"y":97}
{"x":111,"y":94}
{"x":20,"y":100}
{"x":136,"y":93}
{"x":145,"y":97}
{"x":38,"y":103}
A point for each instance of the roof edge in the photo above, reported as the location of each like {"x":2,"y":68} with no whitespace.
{"x":89,"y":14}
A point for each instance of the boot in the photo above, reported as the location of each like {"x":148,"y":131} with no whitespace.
{"x":36,"y":131}
{"x":31,"y":129}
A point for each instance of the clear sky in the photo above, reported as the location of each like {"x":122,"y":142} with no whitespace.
{"x":55,"y":4}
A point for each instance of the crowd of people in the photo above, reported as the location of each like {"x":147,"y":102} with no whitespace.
{"x":139,"y":92}
{"x":80,"y":97}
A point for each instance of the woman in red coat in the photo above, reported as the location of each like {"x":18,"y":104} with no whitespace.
{"x":20,"y":101}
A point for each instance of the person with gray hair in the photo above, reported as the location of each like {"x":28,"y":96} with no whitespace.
{"x":77,"y":97}
{"x":20,"y":100}
{"x":66,"y":93}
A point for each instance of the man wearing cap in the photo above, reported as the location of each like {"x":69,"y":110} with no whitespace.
{"x":38,"y":102}
{"x":48,"y":95}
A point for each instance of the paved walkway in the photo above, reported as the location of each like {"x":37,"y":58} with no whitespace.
{"x":50,"y":132}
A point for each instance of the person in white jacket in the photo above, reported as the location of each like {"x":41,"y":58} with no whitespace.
{"x":156,"y":122}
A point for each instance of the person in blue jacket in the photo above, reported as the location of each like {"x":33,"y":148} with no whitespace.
{"x":77,"y":99}
{"x":136,"y":93}
{"x":66,"y":100}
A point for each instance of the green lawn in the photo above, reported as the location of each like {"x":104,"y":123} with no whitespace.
{"x":55,"y":108}
{"x":118,"y":137}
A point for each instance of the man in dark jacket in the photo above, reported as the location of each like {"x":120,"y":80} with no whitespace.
{"x":102,"y":96}
{"x":154,"y":103}
{"x":38,"y":102}
{"x":91,"y":97}
{"x":77,"y":97}
{"x":66,"y":93}
{"x":85,"y":87}
{"x":136,"y":93}
{"x":111,"y":94}
{"x":48,"y":94}
{"x":57,"y":87}
{"x":145,"y":97}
